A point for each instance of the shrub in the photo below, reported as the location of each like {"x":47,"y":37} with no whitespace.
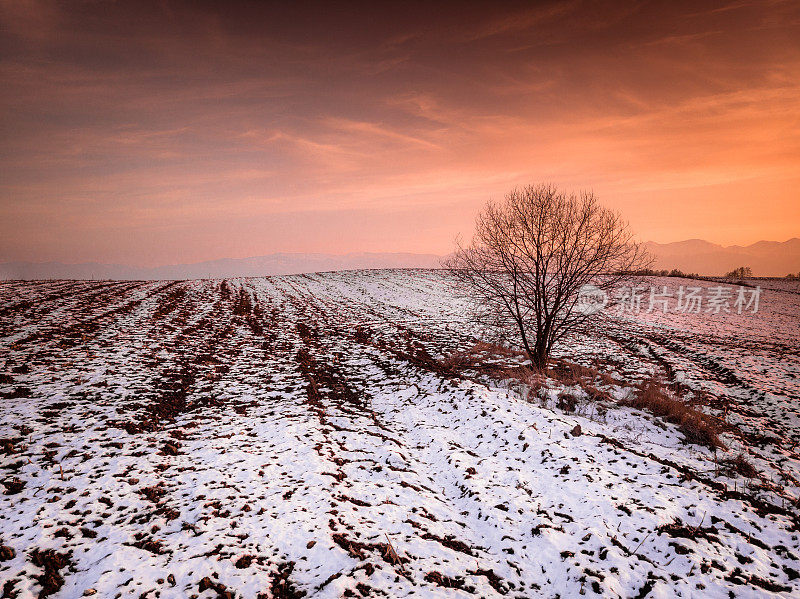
{"x":567,"y":402}
{"x":739,"y":465}
{"x":743,"y":272}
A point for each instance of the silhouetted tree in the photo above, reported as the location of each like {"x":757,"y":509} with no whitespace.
{"x":531,"y":258}
{"x":743,"y":272}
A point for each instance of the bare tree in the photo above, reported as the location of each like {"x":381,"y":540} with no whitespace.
{"x":532,"y":260}
{"x":743,"y":272}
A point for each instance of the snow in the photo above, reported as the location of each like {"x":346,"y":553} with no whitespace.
{"x":164,"y":431}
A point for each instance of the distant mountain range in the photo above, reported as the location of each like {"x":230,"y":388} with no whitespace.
{"x":258,"y":266}
{"x":766,"y":258}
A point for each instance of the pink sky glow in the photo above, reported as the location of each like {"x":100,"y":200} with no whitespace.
{"x":177,"y":132}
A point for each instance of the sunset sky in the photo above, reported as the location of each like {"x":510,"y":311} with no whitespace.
{"x":165,"y":132}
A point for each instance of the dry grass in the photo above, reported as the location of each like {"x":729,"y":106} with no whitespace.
{"x":652,"y":395}
{"x":530,"y":381}
{"x":475,"y":358}
{"x":495,"y":349}
{"x":739,"y":465}
{"x":571,"y":374}
{"x":566,"y":373}
{"x":458,"y":361}
{"x":698,"y":427}
{"x":567,"y":402}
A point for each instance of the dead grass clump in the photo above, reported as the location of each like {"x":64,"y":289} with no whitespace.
{"x":567,"y":402}
{"x":570,"y":374}
{"x":530,"y":379}
{"x":362,"y":335}
{"x":475,"y":358}
{"x":581,"y":373}
{"x":595,"y":394}
{"x":495,"y":349}
{"x":458,"y":361}
{"x":677,"y":529}
{"x":697,"y":427}
{"x":51,"y":562}
{"x":443,"y":581}
{"x":281,"y":586}
{"x":739,"y":465}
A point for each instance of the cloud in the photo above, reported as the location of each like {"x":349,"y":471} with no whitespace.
{"x":174,"y":116}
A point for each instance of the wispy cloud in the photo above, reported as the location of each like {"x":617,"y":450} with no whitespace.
{"x":248,"y":129}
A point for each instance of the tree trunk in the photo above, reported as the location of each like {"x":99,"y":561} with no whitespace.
{"x":539,"y":357}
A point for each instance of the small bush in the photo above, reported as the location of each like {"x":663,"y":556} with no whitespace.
{"x":649,"y":272}
{"x":696,"y":426}
{"x":567,"y":402}
{"x":739,"y":465}
{"x":362,"y":335}
{"x":743,"y":272}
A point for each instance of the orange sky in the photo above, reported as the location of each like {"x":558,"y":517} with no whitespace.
{"x":176,"y":132}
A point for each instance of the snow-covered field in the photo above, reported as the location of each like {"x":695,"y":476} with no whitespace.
{"x":303,"y":436}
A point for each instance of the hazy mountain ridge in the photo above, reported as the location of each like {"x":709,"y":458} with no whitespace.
{"x":766,"y":258}
{"x":256,"y":266}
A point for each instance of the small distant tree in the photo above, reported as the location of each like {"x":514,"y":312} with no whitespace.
{"x":532,"y":256}
{"x":743,"y":272}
